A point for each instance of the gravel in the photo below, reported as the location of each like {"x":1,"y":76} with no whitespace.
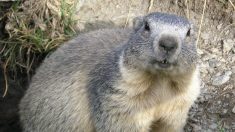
{"x":228,"y":45}
{"x":220,"y":80}
{"x":233,"y":110}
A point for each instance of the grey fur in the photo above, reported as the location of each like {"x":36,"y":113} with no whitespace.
{"x":80,"y":86}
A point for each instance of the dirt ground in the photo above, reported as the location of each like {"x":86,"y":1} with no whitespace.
{"x":214,"y":111}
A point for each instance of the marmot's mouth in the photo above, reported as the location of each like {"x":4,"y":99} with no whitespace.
{"x":164,"y":64}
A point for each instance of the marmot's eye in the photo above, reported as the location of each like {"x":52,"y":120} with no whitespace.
{"x":188,"y":33}
{"x":146,"y":26}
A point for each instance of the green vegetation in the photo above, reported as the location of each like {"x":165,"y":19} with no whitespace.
{"x":34,"y":29}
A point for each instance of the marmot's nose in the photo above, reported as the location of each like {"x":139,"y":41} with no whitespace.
{"x":168,"y":44}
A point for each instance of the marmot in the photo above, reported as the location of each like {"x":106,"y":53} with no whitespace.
{"x":117,"y":80}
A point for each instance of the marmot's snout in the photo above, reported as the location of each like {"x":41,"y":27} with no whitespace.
{"x":166,"y":48}
{"x":168,"y":45}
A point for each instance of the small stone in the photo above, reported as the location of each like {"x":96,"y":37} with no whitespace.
{"x":227,"y":32}
{"x":232,"y":59}
{"x":211,"y":70}
{"x":205,"y":35}
{"x":220,"y":80}
{"x":213,"y":126}
{"x":219,"y":26}
{"x":215,"y":50}
{"x":228,"y":73}
{"x":233,"y":110}
{"x":200,"y":52}
{"x":205,"y":58}
{"x":224,"y":111}
{"x":227,"y":95}
{"x":209,"y":130}
{"x":202,"y":85}
{"x":204,"y":67}
{"x":197,"y":128}
{"x":228,"y":45}
{"x":228,"y":87}
{"x":218,"y":74}
{"x":213,"y":63}
{"x":233,"y":69}
{"x":208,"y":96}
{"x":201,"y":99}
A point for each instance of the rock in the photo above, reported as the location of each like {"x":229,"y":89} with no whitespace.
{"x":213,"y":126}
{"x":227,"y":96}
{"x":214,"y":63}
{"x":228,"y":45}
{"x":224,"y":111}
{"x":208,"y":96}
{"x":215,"y":50}
{"x":233,"y":69}
{"x":228,"y":87}
{"x":204,"y":67}
{"x":206,"y":58}
{"x":209,"y":130}
{"x":196,"y":128}
{"x":199,"y":51}
{"x":227,"y":32}
{"x":219,"y":26}
{"x":200,"y":99}
{"x":222,"y":79}
{"x":233,"y":110}
{"x":202,"y":86}
{"x":205,"y":35}
{"x":233,"y":59}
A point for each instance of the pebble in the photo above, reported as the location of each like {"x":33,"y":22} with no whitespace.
{"x":209,"y":130}
{"x":213,"y":126}
{"x":201,"y":99}
{"x":233,"y":110}
{"x":233,"y":59}
{"x":202,"y":86}
{"x":213,"y":63}
{"x":228,"y":87}
{"x":233,"y":69}
{"x":215,"y":50}
{"x":208,"y":96}
{"x":197,"y":128}
{"x":227,"y":96}
{"x":199,"y":51}
{"x":205,"y":35}
{"x":219,"y":26}
{"x":228,"y":45}
{"x":224,"y":111}
{"x":227,"y":32}
{"x":222,"y":79}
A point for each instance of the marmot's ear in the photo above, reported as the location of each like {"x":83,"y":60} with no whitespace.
{"x":137,"y":22}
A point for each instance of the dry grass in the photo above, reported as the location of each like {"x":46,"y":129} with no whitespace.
{"x":5,"y":77}
{"x":201,"y":22}
{"x":187,"y":8}
{"x":232,"y":4}
{"x":150,"y":5}
{"x":35,"y":28}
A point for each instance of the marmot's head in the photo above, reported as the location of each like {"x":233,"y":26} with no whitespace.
{"x":161,"y":43}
